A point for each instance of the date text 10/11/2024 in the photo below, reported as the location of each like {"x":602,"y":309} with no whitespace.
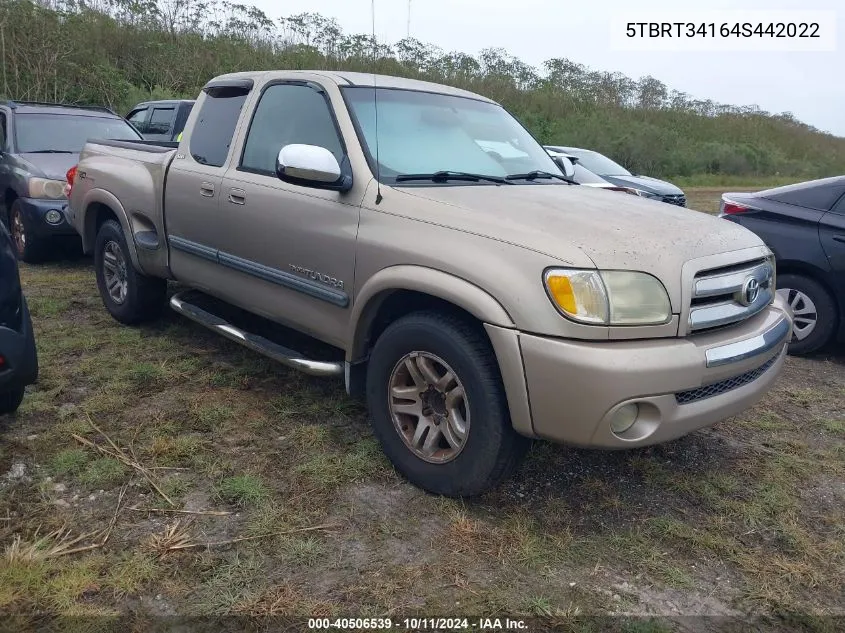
{"x":418,"y":624}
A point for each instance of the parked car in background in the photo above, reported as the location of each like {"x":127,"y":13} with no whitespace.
{"x":643,"y":186}
{"x":583,"y":176}
{"x":804,"y":225}
{"x":161,"y":120}
{"x":464,"y":288}
{"x":39,"y":142}
{"x":18,"y":357}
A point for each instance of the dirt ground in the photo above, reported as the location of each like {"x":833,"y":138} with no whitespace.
{"x":162,"y":470}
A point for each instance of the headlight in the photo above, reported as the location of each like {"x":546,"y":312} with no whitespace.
{"x":610,"y":297}
{"x":41,"y":188}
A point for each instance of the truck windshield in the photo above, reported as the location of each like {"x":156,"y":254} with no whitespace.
{"x":67,"y":132}
{"x":429,"y":133}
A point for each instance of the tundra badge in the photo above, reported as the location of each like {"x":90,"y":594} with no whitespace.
{"x":313,"y":274}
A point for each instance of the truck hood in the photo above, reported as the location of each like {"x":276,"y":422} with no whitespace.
{"x":585,"y":226}
{"x":53,"y":166}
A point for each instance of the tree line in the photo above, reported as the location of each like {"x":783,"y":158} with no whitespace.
{"x":120,"y":52}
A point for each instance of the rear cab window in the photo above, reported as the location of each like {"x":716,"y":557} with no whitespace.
{"x":214,"y":129}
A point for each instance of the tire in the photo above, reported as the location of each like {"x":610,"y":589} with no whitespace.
{"x":808,"y":299}
{"x":137,"y":297}
{"x":490,"y":451}
{"x":11,"y":400}
{"x":28,"y":247}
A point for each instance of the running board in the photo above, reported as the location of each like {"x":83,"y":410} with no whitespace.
{"x":254,"y":342}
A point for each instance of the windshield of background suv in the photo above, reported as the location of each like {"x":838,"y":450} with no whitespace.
{"x":67,"y":132}
{"x":424,"y":133}
{"x":599,"y":164}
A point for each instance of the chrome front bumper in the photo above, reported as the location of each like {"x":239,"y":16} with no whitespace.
{"x":751,"y":347}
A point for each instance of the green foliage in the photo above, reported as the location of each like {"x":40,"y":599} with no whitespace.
{"x":243,"y":490}
{"x":122,"y":52}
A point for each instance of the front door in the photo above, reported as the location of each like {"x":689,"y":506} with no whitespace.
{"x":293,"y":246}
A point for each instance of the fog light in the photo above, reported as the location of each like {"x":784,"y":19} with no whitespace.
{"x":624,"y":418}
{"x":53,"y":217}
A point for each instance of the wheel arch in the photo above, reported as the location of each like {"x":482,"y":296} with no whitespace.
{"x":101,"y":206}
{"x":399,"y":290}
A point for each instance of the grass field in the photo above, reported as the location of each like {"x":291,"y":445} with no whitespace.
{"x":707,"y":198}
{"x":162,"y":470}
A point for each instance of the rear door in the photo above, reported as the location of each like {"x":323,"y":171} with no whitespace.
{"x":193,"y":187}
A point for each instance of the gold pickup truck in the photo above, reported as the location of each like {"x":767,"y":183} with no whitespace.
{"x":449,"y":269}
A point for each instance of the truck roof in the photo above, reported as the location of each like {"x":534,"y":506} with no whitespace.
{"x":37,"y":107}
{"x":348,"y":78}
{"x":156,"y":102}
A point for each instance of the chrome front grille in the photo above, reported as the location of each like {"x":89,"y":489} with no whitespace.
{"x":731,"y":294}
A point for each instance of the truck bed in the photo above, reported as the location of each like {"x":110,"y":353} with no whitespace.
{"x":128,"y":177}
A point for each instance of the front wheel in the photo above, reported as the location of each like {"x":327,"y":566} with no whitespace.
{"x":28,"y":247}
{"x":129,"y":296}
{"x":438,"y":406}
{"x":814,"y":309}
{"x":10,"y":400}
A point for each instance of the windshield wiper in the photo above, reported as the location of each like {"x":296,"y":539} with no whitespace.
{"x":50,"y":151}
{"x":445,"y":176}
{"x":534,"y":175}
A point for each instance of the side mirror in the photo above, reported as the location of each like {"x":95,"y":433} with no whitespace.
{"x":312,"y":166}
{"x":565,"y":165}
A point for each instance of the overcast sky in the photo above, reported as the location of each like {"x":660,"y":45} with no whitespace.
{"x":808,"y":84}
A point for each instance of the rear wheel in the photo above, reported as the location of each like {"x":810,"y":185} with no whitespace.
{"x":129,"y":296}
{"x":438,"y":405}
{"x":814,"y":309}
{"x":28,"y":247}
{"x":10,"y":400}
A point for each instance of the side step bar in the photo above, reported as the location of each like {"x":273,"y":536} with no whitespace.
{"x":254,"y":342}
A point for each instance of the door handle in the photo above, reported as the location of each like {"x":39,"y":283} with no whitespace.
{"x":839,"y":238}
{"x":207,"y":189}
{"x":237,"y":196}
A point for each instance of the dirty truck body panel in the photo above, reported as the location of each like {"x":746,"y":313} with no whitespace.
{"x":216,"y":215}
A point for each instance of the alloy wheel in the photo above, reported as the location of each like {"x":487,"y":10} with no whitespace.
{"x":804,"y":310}
{"x":18,"y":232}
{"x":115,"y":272}
{"x":429,"y":407}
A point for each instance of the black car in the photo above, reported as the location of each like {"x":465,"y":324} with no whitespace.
{"x":18,"y":358}
{"x":644,"y":186}
{"x":39,"y":143}
{"x":161,"y":120}
{"x":804,"y":225}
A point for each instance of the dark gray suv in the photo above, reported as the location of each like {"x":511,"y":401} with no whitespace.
{"x":39,"y":143}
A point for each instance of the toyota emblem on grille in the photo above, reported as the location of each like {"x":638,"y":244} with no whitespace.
{"x":750,"y":291}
